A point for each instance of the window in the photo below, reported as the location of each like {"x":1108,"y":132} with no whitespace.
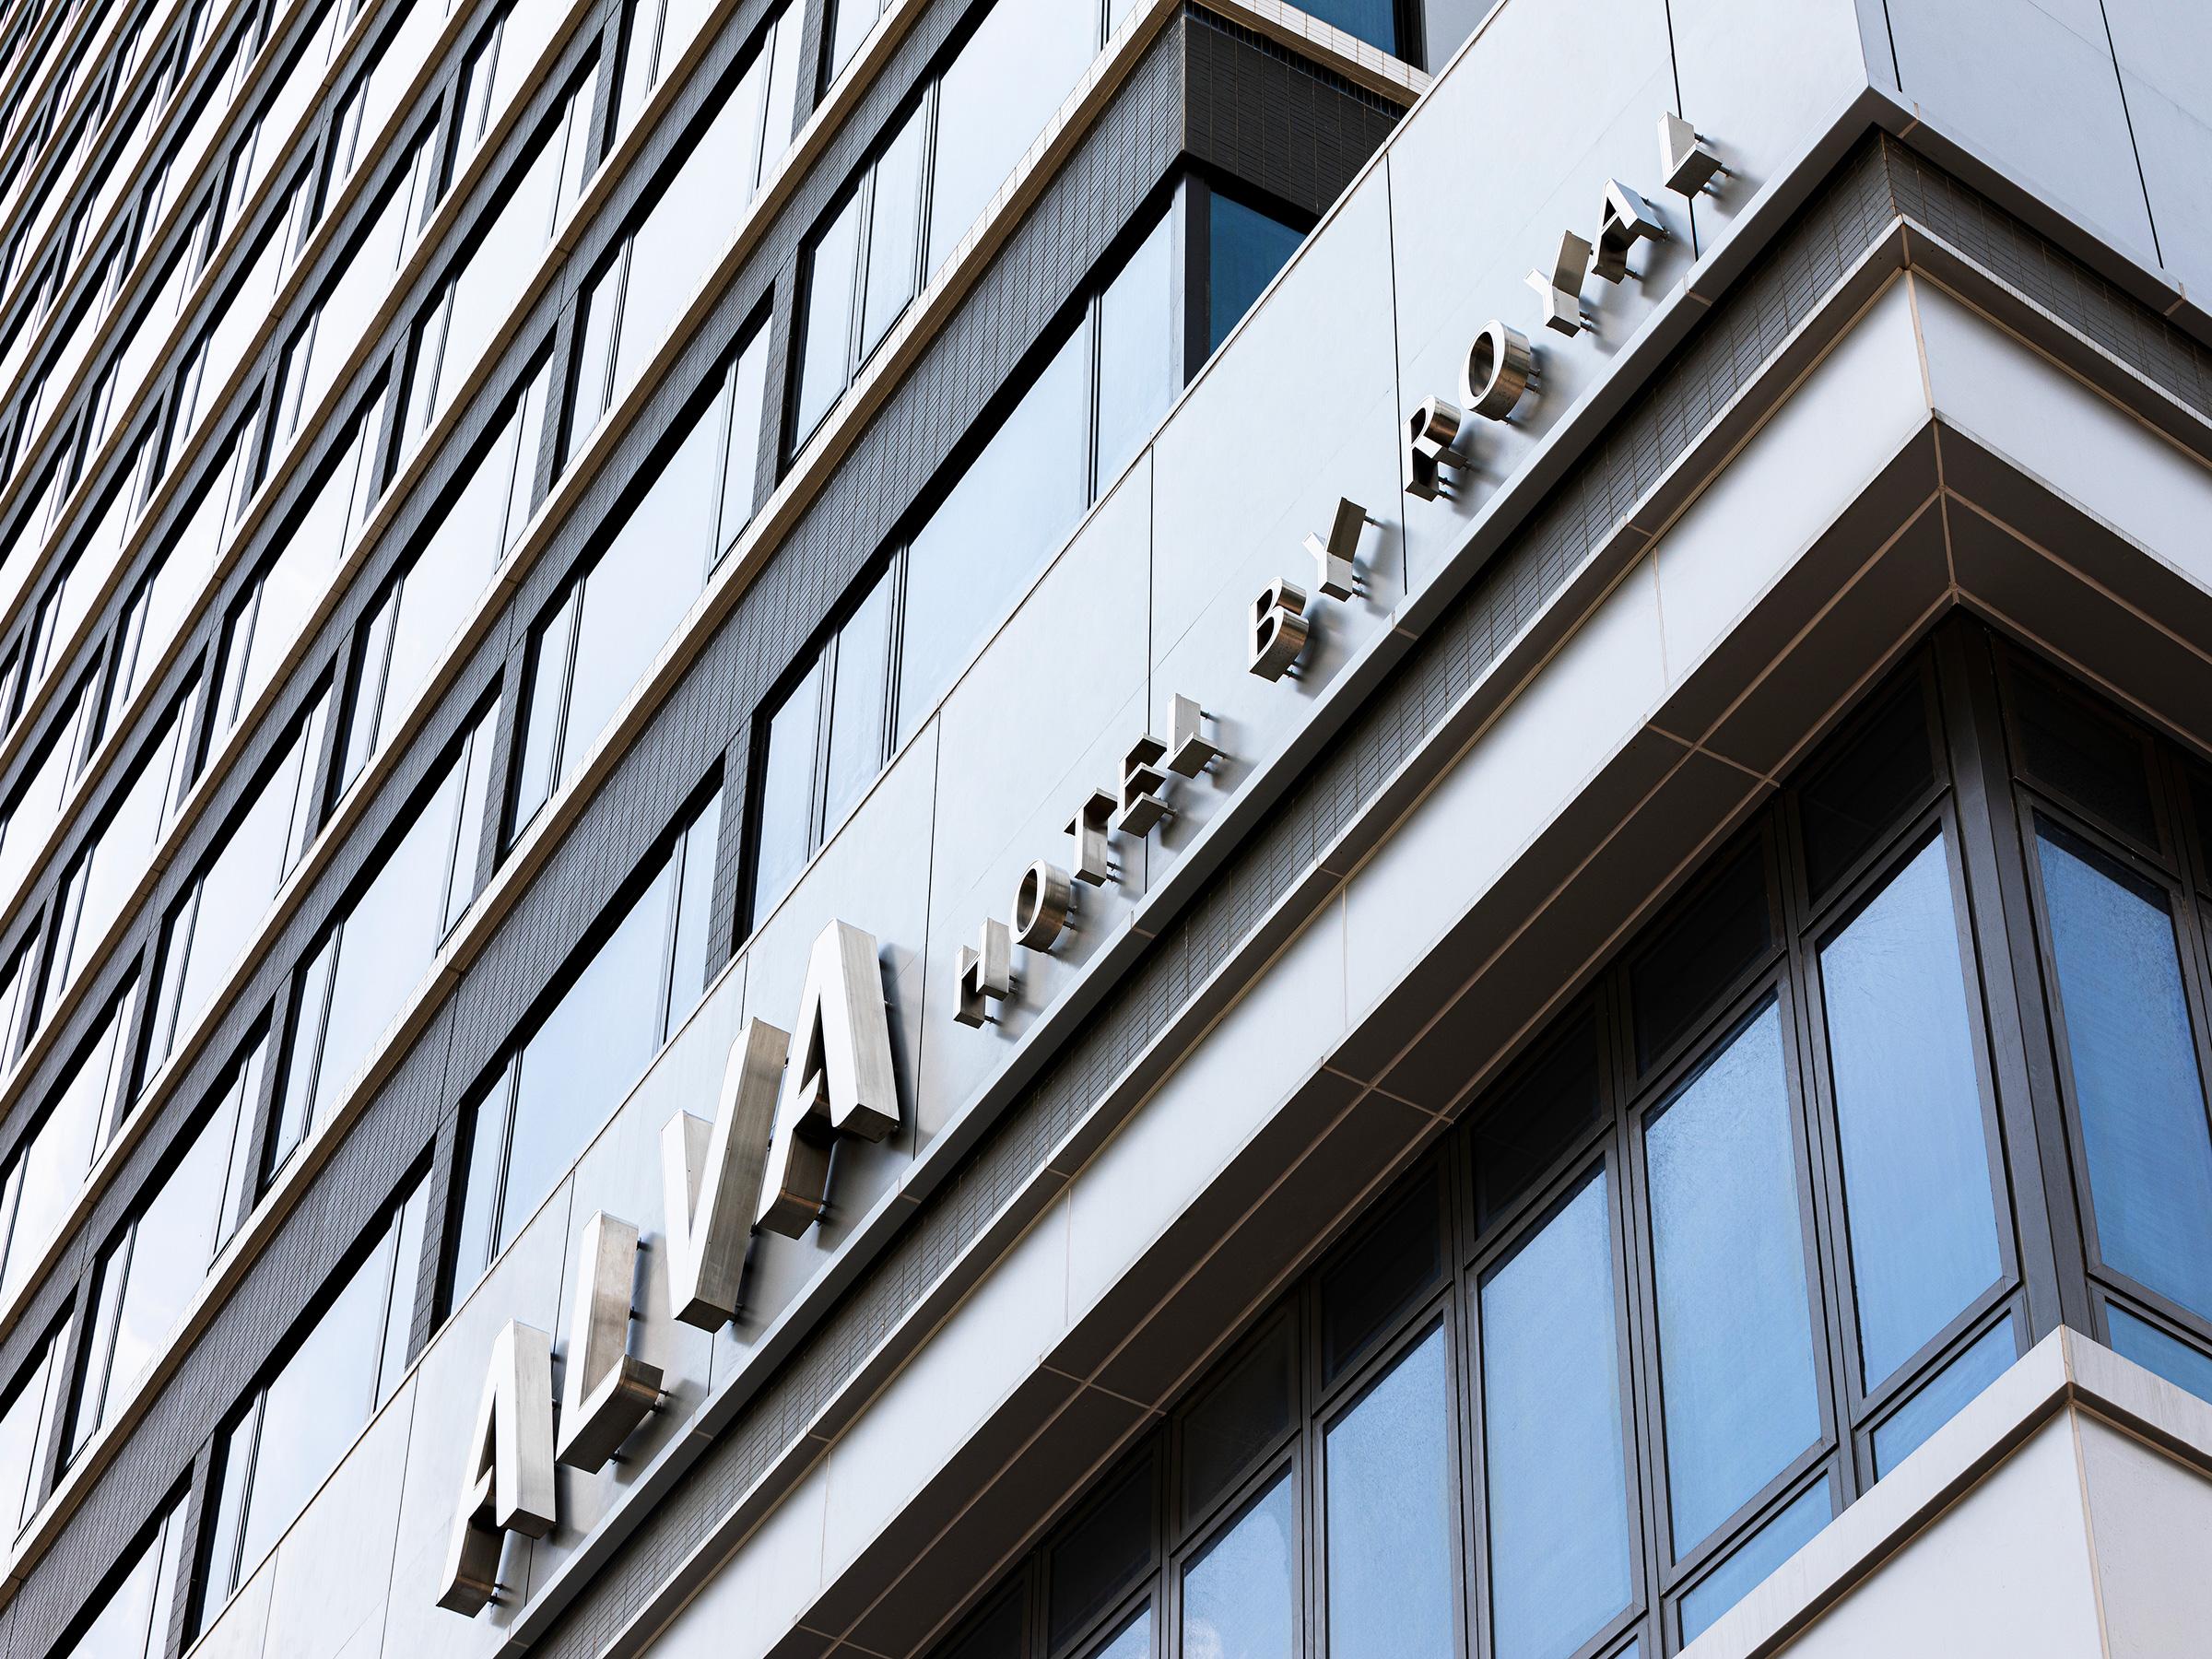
{"x":132,"y":1621}
{"x":293,"y":1431}
{"x":1247,"y":248}
{"x":221,"y":347}
{"x":167,"y":594}
{"x":637,"y":294}
{"x":453,"y":332}
{"x":1631,"y":1315}
{"x":655,"y":34}
{"x":28,"y":1411}
{"x":559,"y":1083}
{"x":111,"y":867}
{"x":328,"y":334}
{"x":860,"y":272}
{"x":149,"y":1272}
{"x":993,"y":99}
{"x":358,"y":978}
{"x":416,"y":616}
{"x":221,"y":910}
{"x":604,"y":631}
{"x":32,"y":816}
{"x":1374,"y":21}
{"x":41,"y":1183}
{"x":266,"y":620}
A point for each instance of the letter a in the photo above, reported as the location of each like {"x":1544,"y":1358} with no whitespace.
{"x":509,"y":1485}
{"x":840,"y":1078}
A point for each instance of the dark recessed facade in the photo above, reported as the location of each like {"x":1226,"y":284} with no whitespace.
{"x":1103,"y":829}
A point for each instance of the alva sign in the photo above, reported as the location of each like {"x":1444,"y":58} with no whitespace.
{"x":763,"y":1165}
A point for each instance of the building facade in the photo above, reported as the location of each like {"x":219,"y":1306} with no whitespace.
{"x":1154,"y":829}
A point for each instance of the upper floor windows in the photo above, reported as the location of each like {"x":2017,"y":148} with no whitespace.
{"x":903,"y":213}
{"x":635,"y":296}
{"x":605,"y":630}
{"x":338,"y":1370}
{"x":654,"y":35}
{"x":29,"y":1417}
{"x":133,"y":1612}
{"x":559,"y":1081}
{"x":359,"y":974}
{"x":916,"y":618}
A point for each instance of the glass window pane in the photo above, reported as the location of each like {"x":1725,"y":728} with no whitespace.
{"x":316,"y":1405}
{"x":2135,"y":1082}
{"x":1133,"y":1640}
{"x":1736,"y":1336}
{"x":1378,"y":1276}
{"x":1013,"y":506}
{"x":1986,"y":1358}
{"x":741,"y":470}
{"x":1710,"y":943}
{"x":1553,"y":1105}
{"x":1390,"y":1515}
{"x":1916,"y":1167}
{"x":1755,"y":1561}
{"x":1865,"y":786}
{"x":856,"y":706}
{"x":996,"y":1633}
{"x":852,"y":20}
{"x":1237,"y":1596}
{"x":643,"y":584}
{"x":26,"y":1417}
{"x":2155,"y":1350}
{"x":2083,"y":754}
{"x":1101,"y":1554}
{"x":1140,"y":344}
{"x":1554,"y":1458}
{"x":678,"y":242}
{"x":826,"y":332}
{"x":1238,"y":1418}
{"x":582,"y":1059}
{"x":894,"y":224}
{"x":127,"y":1622}
{"x":994,"y":99}
{"x":390,"y":933}
{"x":1374,"y":21}
{"x":172,"y":1246}
{"x":693,"y":953}
{"x":1248,"y":249}
{"x":52,"y":1165}
{"x":785,"y":814}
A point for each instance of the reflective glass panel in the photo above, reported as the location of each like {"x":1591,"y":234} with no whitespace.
{"x":1239,"y":1417}
{"x":856,"y":706}
{"x":1708,"y":945}
{"x":1391,"y":1526}
{"x":1378,"y":1276}
{"x":894,"y":224}
{"x":1100,"y":1554}
{"x":826,"y":342}
{"x":1944,"y":1396}
{"x":1865,"y":786}
{"x":1140,"y":344}
{"x":1754,"y":1562}
{"x":1554,"y":1457}
{"x":2136,"y":1088}
{"x":2155,"y":1350}
{"x":1248,"y":249}
{"x":1735,"y":1339}
{"x":1916,"y":1167}
{"x":1237,"y":1596}
{"x":785,"y":812}
{"x":1013,"y":506}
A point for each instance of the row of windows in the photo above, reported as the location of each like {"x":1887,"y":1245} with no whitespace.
{"x":919,"y":613}
{"x":266,"y":619}
{"x":1735,"y":1234}
{"x":530,"y":1121}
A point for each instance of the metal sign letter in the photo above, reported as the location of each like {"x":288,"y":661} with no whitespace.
{"x":840,"y":1078}
{"x":508,"y":1483}
{"x":711,"y":1177}
{"x":607,"y":1391}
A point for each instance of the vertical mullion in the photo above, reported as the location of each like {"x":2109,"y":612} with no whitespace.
{"x":2045,"y":1211}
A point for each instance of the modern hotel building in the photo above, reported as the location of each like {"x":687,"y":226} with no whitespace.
{"x":1157,"y":828}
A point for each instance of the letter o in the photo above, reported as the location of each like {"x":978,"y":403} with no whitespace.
{"x":1042,"y":901}
{"x":1500,"y":365}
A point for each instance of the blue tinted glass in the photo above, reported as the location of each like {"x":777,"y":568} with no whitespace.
{"x":1938,"y":1402}
{"x":1133,"y":1640}
{"x":1374,"y":21}
{"x":1390,"y":1515}
{"x":1558,"y":1507}
{"x":1248,"y":249}
{"x":2136,"y":1080}
{"x":1923,"y":1229}
{"x":1751,"y":1565}
{"x":1236,"y":1597}
{"x":2154,"y":1350}
{"x":1735,"y":1338}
